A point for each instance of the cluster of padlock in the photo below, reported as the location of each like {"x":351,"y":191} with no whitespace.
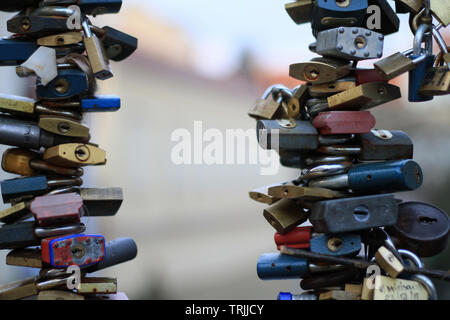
{"x":349,"y":170}
{"x":55,"y":42}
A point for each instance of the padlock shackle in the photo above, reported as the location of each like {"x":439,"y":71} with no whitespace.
{"x":53,"y":11}
{"x":419,"y":38}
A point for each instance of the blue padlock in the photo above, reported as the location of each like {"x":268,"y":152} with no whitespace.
{"x":68,"y":84}
{"x":14,"y":52}
{"x":331,"y":14}
{"x":290,"y":296}
{"x":389,"y":176}
{"x":272,"y":266}
{"x":417,"y":75}
{"x":106,"y":103}
{"x":336,"y":245}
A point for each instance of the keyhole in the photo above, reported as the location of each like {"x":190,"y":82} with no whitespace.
{"x":334,"y":244}
{"x":426,"y":220}
{"x":82,"y":153}
{"x":61,"y":86}
{"x":312,"y":73}
{"x":63,"y":127}
{"x":26,"y":25}
{"x":360,"y":42}
{"x":361,"y":213}
{"x":60,"y":40}
{"x":343,"y":3}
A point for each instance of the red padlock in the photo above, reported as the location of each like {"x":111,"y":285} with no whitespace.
{"x":57,"y":209}
{"x":299,"y":238}
{"x":81,"y":250}
{"x":344,"y":122}
{"x":367,"y":75}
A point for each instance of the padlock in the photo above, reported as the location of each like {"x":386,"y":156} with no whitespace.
{"x":17,"y":5}
{"x":28,"y":257}
{"x":274,"y":266}
{"x":364,"y":96}
{"x":262,"y":194}
{"x":285,"y":215}
{"x":101,"y":202}
{"x":436,"y":82}
{"x":421,"y":228}
{"x":302,"y":296}
{"x":330,"y":279}
{"x":69,"y":83}
{"x":305,"y":238}
{"x":441,"y":11}
{"x":74,"y":155}
{"x":304,"y":193}
{"x":23,"y":106}
{"x":97,"y":286}
{"x":385,"y":145}
{"x":16,"y":51}
{"x":397,"y":64}
{"x":386,"y":288}
{"x":417,"y":75}
{"x":350,"y":43}
{"x":389,"y":262}
{"x":37,"y":26}
{"x":320,"y":70}
{"x":33,"y":186}
{"x":57,"y":209}
{"x":268,"y":107}
{"x":118,"y":45}
{"x":331,"y":14}
{"x":26,"y":234}
{"x":17,"y":212}
{"x":354,"y":288}
{"x":63,"y":126}
{"x":81,"y":250}
{"x":89,"y":7}
{"x":338,"y":295}
{"x":290,"y":135}
{"x":300,"y":11}
{"x":327,"y":89}
{"x":28,"y":163}
{"x":296,"y":105}
{"x":353,"y":214}
{"x":409,"y":6}
{"x":96,"y":53}
{"x":62,"y":39}
{"x":388,"y":21}
{"x":389,"y":176}
{"x":29,"y":287}
{"x":344,"y":122}
{"x":363,"y":76}
{"x":104,"y":103}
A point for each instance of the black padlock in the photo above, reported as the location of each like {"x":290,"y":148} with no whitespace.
{"x":421,"y":228}
{"x":389,"y":21}
{"x":35,"y":26}
{"x":118,"y":45}
{"x":17,"y":5}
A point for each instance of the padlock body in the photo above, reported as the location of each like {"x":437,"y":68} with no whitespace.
{"x":416,"y":77}
{"x":15,"y":51}
{"x":390,"y":176}
{"x":275,"y":266}
{"x":336,"y":244}
{"x":57,"y":209}
{"x":298,"y":238}
{"x":37,"y":26}
{"x":399,"y":146}
{"x":301,"y":137}
{"x":68,"y":84}
{"x":389,"y":21}
{"x":18,"y":235}
{"x":100,"y":104}
{"x":353,"y":214}
{"x":118,"y":45}
{"x":81,"y":250}
{"x":344,"y":122}
{"x":17,"y":188}
{"x":18,"y":161}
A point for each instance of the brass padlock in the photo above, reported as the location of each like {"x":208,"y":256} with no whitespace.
{"x":262,"y":194}
{"x":63,"y":126}
{"x":27,"y":257}
{"x":300,"y":11}
{"x":17,"y":212}
{"x":436,"y":82}
{"x":17,"y":161}
{"x":96,"y":54}
{"x":441,"y":10}
{"x":15,"y":104}
{"x":59,"y":295}
{"x":413,"y":5}
{"x":338,"y":295}
{"x":75,"y":155}
{"x":365,"y":96}
{"x":388,"y":262}
{"x":62,"y":39}
{"x":305,"y":193}
{"x":97,"y":286}
{"x":285,"y":215}
{"x":297,"y":102}
{"x":327,"y":89}
{"x":320,"y":70}
{"x":386,"y":288}
{"x":269,"y":106}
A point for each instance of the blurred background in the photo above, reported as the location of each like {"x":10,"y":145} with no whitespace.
{"x":198,"y":233}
